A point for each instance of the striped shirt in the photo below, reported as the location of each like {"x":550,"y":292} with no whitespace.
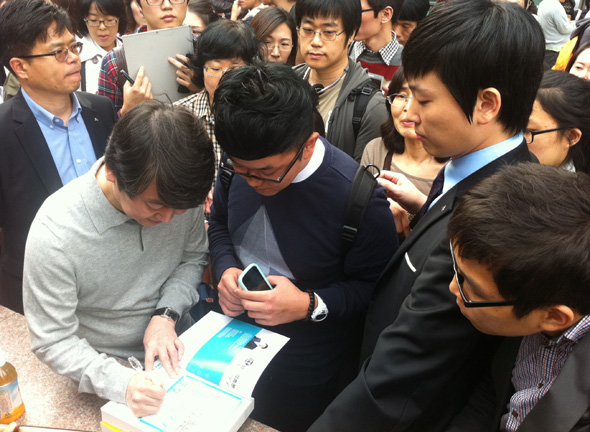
{"x":538,"y":363}
{"x":383,"y":62}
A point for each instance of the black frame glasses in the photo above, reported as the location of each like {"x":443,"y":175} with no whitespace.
{"x":367,"y":10}
{"x":227,"y":166}
{"x":470,"y":303}
{"x":531,"y":134}
{"x":90,"y":22}
{"x":61,"y":55}
{"x":159,"y":2}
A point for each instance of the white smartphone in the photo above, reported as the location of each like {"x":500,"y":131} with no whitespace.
{"x":252,"y":279}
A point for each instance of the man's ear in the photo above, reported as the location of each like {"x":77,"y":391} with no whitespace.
{"x":386,"y":14}
{"x":487,"y":105}
{"x":20,"y":67}
{"x":573,"y":136}
{"x":110,"y":176}
{"x":310,"y":146}
{"x":558,"y":318}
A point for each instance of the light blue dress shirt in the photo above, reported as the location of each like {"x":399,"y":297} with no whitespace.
{"x":70,"y":146}
{"x":461,"y":168}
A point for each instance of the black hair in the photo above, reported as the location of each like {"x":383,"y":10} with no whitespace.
{"x":575,"y":54}
{"x":262,"y":110}
{"x":224,"y":39}
{"x":204,"y":10}
{"x":566,"y":98}
{"x":114,"y":8}
{"x":268,"y":19}
{"x":165,"y":143}
{"x":349,"y":12}
{"x":530,"y":225}
{"x":23,"y":23}
{"x":414,"y":10}
{"x":379,"y":5}
{"x":476,"y":44}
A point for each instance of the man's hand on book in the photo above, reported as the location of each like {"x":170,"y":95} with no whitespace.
{"x":283,"y":304}
{"x":230,"y":303}
{"x":160,"y":340}
{"x":143,"y":396}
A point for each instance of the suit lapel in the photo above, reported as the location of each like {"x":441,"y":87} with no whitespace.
{"x":93,"y":125}
{"x":32,"y":140}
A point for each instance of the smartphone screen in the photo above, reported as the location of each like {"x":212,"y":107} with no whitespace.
{"x":253,"y":280}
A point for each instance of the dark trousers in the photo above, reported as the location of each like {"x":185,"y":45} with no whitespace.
{"x":290,"y":408}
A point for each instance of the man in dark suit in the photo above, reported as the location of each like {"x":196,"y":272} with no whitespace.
{"x":49,"y":134}
{"x":421,"y":355}
{"x":522,"y":269}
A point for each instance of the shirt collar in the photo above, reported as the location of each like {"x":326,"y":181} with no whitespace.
{"x":386,"y":53}
{"x":460,"y":168}
{"x":47,"y":118}
{"x":314,"y":163}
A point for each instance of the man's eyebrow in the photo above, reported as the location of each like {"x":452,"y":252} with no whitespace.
{"x":324,"y":24}
{"x":60,"y":44}
{"x":155,"y":201}
{"x":475,"y":288}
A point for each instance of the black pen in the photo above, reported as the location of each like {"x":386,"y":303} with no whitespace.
{"x":127,"y":77}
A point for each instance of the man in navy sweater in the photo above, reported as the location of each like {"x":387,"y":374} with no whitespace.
{"x":284,"y":210}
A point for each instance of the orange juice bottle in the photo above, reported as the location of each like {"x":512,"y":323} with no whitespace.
{"x":11,"y":403}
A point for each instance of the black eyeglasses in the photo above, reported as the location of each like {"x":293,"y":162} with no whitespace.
{"x":469,"y":303}
{"x":91,"y":22}
{"x":159,"y":2}
{"x":327,"y":35}
{"x":61,"y":55}
{"x":529,"y":135}
{"x":228,"y":166}
{"x":367,"y":10}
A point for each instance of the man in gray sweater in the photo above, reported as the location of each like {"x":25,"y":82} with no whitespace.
{"x":114,"y":258}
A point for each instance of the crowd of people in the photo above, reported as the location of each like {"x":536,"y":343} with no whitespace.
{"x":458,"y":301}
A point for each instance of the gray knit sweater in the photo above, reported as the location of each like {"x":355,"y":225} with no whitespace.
{"x":93,"y":277}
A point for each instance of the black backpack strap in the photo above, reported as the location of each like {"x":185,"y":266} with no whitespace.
{"x":226,"y":172}
{"x":121,"y":65}
{"x":360,"y":193}
{"x":83,"y":73}
{"x":361,"y":95}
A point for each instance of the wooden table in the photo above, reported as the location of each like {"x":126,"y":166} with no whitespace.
{"x":50,"y":399}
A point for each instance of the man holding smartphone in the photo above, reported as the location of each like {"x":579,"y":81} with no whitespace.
{"x":283,"y":208}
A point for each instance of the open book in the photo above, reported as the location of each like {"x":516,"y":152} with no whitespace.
{"x":223,"y":360}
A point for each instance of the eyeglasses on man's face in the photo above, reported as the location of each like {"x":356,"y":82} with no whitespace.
{"x":398,"y":99}
{"x":327,"y":35}
{"x":90,"y":22}
{"x":61,"y":55}
{"x":228,"y":166}
{"x":283,"y":46}
{"x":159,"y":2}
{"x":460,"y":279}
{"x":529,"y":135}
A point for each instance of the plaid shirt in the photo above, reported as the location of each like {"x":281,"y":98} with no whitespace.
{"x":386,"y":53}
{"x":538,"y":363}
{"x":108,"y":78}
{"x":199,"y":105}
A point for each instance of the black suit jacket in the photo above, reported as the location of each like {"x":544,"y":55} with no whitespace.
{"x":422,"y":355}
{"x":564,"y":408}
{"x":28,"y":175}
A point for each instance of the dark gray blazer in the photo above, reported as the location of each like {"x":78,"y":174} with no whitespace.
{"x":423,"y":356}
{"x":28,"y":176}
{"x":564,"y":408}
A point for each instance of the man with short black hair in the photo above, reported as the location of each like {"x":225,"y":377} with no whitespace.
{"x":351,"y":105}
{"x":376,"y":46}
{"x":522,"y":269}
{"x":280,"y":202}
{"x":114,"y":258}
{"x":412,"y":12}
{"x":50,"y":133}
{"x":466,"y":106}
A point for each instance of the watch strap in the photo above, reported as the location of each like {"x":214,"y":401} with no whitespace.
{"x":168,"y":313}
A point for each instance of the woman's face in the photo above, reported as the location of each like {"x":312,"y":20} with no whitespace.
{"x":214,"y":70}
{"x":551,"y":148}
{"x":278,"y":44}
{"x":399,"y":113}
{"x":581,"y":68}
{"x":105,"y":36}
{"x":196,"y":23}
